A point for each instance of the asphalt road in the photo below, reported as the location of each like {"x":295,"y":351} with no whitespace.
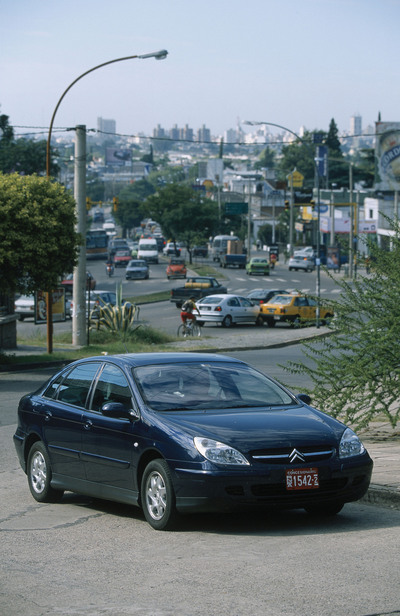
{"x":166,"y":316}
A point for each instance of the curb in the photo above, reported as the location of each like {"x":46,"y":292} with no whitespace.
{"x":382,"y":496}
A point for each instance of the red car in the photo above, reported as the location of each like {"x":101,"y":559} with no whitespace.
{"x":122,"y":258}
{"x":69,"y":280}
{"x":176,"y":268}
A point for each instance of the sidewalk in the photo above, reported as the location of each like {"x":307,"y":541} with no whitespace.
{"x":382,"y":442}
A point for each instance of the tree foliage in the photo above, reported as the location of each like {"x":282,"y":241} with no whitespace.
{"x":38,"y":241}
{"x":131,"y":198}
{"x":183,"y":214}
{"x":23,"y":156}
{"x":356,"y":370}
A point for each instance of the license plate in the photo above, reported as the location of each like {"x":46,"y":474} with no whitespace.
{"x":302,"y":479}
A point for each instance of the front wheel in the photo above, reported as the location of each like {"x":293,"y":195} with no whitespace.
{"x":39,"y":475}
{"x":158,"y":497}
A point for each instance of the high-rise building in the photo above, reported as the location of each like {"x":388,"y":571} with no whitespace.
{"x":203,"y":134}
{"x":108,"y":127}
{"x":355,"y":125}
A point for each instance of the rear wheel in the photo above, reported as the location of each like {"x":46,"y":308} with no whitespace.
{"x":259,"y":321}
{"x":271,"y":322}
{"x":228,"y":321}
{"x":39,"y":475}
{"x":158,"y":497}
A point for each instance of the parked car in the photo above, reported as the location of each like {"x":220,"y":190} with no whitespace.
{"x":200,"y":251}
{"x":301,"y":261}
{"x":258,"y":265}
{"x":185,"y":432}
{"x":293,"y":308}
{"x":171,"y":249}
{"x":137,"y":269}
{"x":24,"y":307}
{"x":68,"y":282}
{"x":122,"y":257}
{"x":227,"y":310}
{"x":261,"y":296}
{"x":98,"y":298}
{"x":176,"y":268}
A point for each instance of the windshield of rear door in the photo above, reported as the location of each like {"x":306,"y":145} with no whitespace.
{"x":213,"y":385}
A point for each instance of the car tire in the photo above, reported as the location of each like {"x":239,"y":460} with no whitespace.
{"x":296,"y":321}
{"x":259,"y":321}
{"x":158,"y":497}
{"x":228,"y":321}
{"x":39,"y":475}
{"x":325,"y":509}
{"x":271,"y":322}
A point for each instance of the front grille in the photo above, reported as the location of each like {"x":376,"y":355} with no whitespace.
{"x":284,"y":455}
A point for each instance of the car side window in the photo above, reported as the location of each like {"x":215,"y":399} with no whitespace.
{"x":75,"y":388}
{"x":233,"y":302}
{"x":245,"y":302}
{"x":112,"y":386}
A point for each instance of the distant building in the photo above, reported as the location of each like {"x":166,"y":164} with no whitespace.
{"x":159,"y":132}
{"x":355,"y":125}
{"x":186,"y":133}
{"x":108,"y":127}
{"x":203,"y":134}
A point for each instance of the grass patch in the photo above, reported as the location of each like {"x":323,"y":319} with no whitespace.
{"x":143,"y":339}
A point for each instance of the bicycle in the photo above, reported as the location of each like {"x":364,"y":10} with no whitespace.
{"x":189,"y":328}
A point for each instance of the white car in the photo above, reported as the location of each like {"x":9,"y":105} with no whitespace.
{"x":227,"y":310}
{"x":301,"y":261}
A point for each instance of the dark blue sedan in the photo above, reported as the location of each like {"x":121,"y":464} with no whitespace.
{"x":176,"y":433}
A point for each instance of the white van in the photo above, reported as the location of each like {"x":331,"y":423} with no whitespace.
{"x":148,"y":250}
{"x":219,"y":245}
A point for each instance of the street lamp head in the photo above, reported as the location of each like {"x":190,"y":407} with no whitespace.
{"x":158,"y":55}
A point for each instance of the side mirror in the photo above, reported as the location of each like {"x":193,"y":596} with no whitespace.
{"x":304,"y":398}
{"x":117,"y":410}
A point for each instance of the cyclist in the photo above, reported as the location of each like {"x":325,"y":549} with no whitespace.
{"x":187,"y":310}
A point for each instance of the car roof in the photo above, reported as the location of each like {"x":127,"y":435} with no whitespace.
{"x":143,"y":359}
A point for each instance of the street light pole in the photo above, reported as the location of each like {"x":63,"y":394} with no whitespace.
{"x":80,"y":189}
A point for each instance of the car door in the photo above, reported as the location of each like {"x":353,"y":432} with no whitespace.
{"x":246,"y":310}
{"x":62,"y":407}
{"x":109,"y":444}
{"x":234,"y":309}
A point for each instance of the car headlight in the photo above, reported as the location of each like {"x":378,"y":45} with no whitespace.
{"x":219,"y":453}
{"x":350,"y":444}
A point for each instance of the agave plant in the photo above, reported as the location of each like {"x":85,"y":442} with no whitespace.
{"x":119,"y":318}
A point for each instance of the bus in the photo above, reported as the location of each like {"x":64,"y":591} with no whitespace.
{"x":219,"y":245}
{"x":96,"y":244}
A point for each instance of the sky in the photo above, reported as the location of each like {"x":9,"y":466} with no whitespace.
{"x":297,"y":63}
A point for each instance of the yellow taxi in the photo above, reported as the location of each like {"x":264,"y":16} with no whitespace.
{"x":294,"y":308}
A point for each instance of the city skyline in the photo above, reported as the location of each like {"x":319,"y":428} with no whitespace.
{"x":293,"y":64}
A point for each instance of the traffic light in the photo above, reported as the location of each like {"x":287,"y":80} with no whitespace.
{"x":115,"y":203}
{"x":88,"y":203}
{"x":287,"y":205}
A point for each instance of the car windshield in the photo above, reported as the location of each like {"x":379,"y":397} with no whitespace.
{"x":281,"y":299}
{"x":214,"y":385}
{"x":135,"y":263}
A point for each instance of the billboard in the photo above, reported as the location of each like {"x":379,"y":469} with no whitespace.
{"x":387,"y":154}
{"x":117,"y":157}
{"x":58,"y":306}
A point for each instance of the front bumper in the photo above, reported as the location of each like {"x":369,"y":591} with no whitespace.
{"x":230,"y":491}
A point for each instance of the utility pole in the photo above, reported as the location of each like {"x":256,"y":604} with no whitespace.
{"x":79,"y":276}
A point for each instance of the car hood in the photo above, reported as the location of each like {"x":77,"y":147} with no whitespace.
{"x":261,"y":428}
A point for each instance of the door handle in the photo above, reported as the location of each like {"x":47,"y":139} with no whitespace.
{"x":48,"y":415}
{"x":88,"y":424}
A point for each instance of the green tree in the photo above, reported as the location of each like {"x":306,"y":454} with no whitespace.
{"x":183,"y":214}
{"x":332,"y":140}
{"x":266,"y":160}
{"x":130,"y":211}
{"x":38,"y":242}
{"x":299,"y":155}
{"x":355,"y":371}
{"x":23,"y":156}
